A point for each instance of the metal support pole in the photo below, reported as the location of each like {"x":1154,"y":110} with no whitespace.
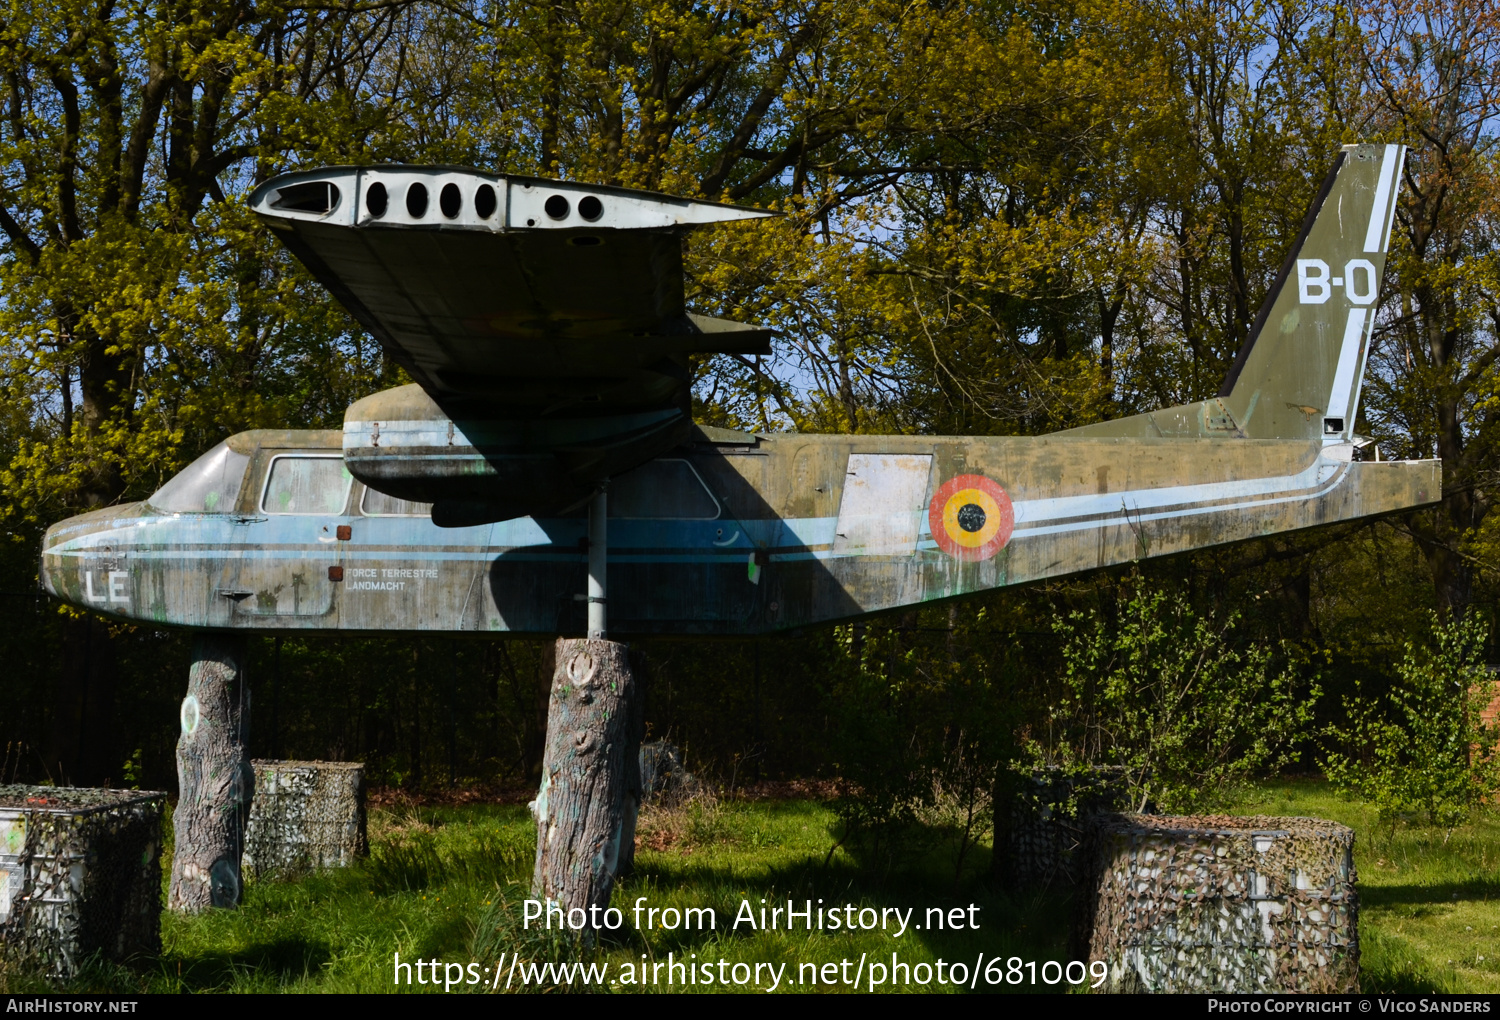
{"x":598,"y":550}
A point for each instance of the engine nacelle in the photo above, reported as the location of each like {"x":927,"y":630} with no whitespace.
{"x":400,"y":442}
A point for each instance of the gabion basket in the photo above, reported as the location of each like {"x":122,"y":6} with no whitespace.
{"x":306,"y":816}
{"x":80,"y":874}
{"x":1223,"y":904}
{"x":1047,"y":822}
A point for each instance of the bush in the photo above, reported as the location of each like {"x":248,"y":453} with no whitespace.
{"x":1424,"y":748}
{"x":1165,"y":695}
{"x":921,"y":727}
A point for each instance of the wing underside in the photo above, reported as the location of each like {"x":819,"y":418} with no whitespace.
{"x":519,"y":310}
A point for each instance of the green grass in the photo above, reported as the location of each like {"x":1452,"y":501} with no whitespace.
{"x":448,"y":884}
{"x":1429,"y":898}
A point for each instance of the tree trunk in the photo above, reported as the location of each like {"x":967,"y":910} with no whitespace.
{"x":590,"y":792}
{"x":215,"y":781}
{"x":634,"y":795}
{"x":1002,"y":856}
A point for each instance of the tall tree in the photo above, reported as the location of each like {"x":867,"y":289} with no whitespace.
{"x":145,"y":315}
{"x":1433,"y":83}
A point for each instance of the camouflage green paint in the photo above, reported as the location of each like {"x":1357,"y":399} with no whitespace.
{"x":723,"y":533}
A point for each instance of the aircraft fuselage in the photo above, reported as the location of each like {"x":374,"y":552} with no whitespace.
{"x":729,"y":534}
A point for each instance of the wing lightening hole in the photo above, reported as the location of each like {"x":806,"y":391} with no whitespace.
{"x":376,"y":199}
{"x":313,"y":196}
{"x":450,"y":201}
{"x":557,"y":207}
{"x":590,"y":208}
{"x":484,"y":201}
{"x":416,"y":201}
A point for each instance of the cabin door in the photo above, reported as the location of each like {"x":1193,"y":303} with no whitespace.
{"x":290,"y":564}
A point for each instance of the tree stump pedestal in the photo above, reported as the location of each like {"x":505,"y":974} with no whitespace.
{"x":590,"y":792}
{"x":215,"y":781}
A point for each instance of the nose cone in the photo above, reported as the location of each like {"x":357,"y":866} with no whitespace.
{"x":72,"y":547}
{"x":44,"y":566}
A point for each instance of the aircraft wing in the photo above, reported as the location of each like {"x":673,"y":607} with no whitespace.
{"x":510,"y":294}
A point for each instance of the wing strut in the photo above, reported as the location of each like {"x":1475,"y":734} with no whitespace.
{"x":598,"y":552}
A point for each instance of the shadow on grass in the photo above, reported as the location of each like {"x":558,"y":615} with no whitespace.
{"x":1429,"y":894}
{"x":266,"y":964}
{"x":273,"y":961}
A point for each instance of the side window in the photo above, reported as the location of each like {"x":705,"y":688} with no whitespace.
{"x":378,"y":504}
{"x":302,"y":484}
{"x":209,"y":485}
{"x":662,"y":490}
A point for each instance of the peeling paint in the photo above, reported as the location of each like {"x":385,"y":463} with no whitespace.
{"x":673,"y":576}
{"x":538,"y":807}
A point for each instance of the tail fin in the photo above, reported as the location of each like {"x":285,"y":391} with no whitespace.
{"x":1301,"y":371}
{"x":1299,"y":375}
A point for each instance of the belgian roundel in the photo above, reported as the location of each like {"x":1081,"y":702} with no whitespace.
{"x":971,"y":517}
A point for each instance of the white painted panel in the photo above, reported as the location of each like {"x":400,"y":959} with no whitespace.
{"x":1379,"y":232}
{"x":883,"y":506}
{"x":1343,"y":378}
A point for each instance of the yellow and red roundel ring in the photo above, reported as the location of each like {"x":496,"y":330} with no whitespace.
{"x":971,"y":517}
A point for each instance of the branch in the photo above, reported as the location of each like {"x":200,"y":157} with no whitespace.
{"x":138,"y":150}
{"x":67,"y":168}
{"x":19,"y":237}
{"x":750,"y":123}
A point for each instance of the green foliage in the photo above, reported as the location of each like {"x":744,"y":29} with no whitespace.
{"x":925,"y":713}
{"x":146,"y":312}
{"x":1167,"y":695}
{"x":1425,"y":747}
{"x":130,"y":772}
{"x":878,"y":755}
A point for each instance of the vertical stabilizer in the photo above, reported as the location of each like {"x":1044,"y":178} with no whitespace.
{"x":1299,"y":375}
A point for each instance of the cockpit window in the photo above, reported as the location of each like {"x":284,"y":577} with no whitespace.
{"x":378,"y":504}
{"x":302,"y":484}
{"x":209,"y":485}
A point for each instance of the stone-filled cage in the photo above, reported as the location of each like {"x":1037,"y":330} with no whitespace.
{"x":80,"y":874}
{"x":1042,"y":833}
{"x":305,"y":816}
{"x":1222,"y":904}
